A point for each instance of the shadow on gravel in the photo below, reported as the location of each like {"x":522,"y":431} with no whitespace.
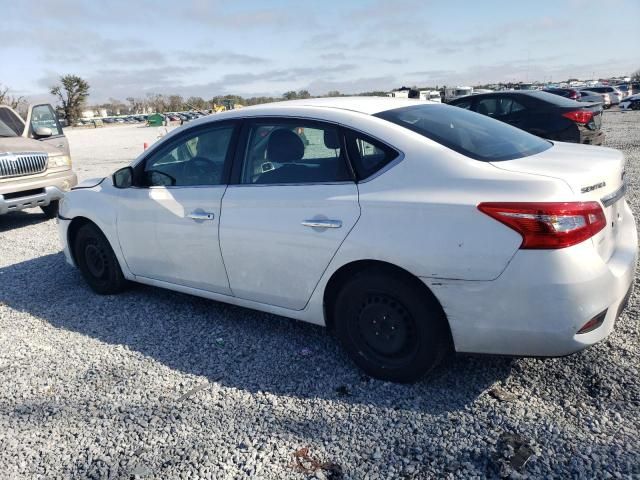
{"x":11,"y":221}
{"x":234,"y":346}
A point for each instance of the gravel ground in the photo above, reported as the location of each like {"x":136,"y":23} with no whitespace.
{"x":155,"y":384}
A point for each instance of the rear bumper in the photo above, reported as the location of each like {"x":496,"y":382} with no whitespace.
{"x":576,"y":133}
{"x":591,"y":137}
{"x":542,"y":299}
{"x":35,"y":191}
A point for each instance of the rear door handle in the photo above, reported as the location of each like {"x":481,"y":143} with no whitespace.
{"x":322,"y":223}
{"x":200,"y":216}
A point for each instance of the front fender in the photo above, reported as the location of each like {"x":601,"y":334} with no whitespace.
{"x":99,"y":205}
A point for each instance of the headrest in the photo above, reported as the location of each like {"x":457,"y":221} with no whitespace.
{"x":331,"y":139}
{"x":284,"y":146}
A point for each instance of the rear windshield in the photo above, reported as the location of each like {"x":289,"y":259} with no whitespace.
{"x":472,"y":134}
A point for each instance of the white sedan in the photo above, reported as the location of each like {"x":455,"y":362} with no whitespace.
{"x":410,"y":229}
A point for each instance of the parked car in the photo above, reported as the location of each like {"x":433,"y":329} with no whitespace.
{"x":614,"y":94}
{"x":571,"y":93}
{"x":625,"y":89}
{"x":408,"y":228}
{"x":631,"y":103}
{"x":541,"y":113}
{"x":589,"y":96}
{"x":581,"y":95}
{"x":35,"y":163}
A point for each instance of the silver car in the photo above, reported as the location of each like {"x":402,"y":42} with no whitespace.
{"x":614,"y":94}
{"x":589,"y":96}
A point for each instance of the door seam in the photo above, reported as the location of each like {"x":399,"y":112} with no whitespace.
{"x":224,"y":265}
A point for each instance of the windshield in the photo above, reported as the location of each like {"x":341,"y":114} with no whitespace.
{"x":472,"y":134}
{"x":8,"y":124}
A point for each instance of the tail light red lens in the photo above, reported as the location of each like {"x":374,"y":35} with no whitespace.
{"x":579,"y":116}
{"x":549,"y":225}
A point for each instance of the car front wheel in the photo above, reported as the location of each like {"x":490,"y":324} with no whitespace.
{"x":392,"y":327}
{"x":97,"y":262}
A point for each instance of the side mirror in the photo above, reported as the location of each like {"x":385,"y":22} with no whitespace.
{"x":123,"y":178}
{"x":42,"y":132}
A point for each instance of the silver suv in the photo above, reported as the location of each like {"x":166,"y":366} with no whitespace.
{"x":35,"y":163}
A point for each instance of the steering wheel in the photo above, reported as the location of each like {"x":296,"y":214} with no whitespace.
{"x":202,"y":171}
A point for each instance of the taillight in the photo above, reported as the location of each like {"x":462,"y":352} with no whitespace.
{"x":579,"y":116}
{"x":549,"y":225}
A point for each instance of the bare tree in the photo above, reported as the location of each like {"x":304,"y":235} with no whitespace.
{"x":3,"y":94}
{"x":197,"y":103}
{"x":17,"y":102}
{"x":635,"y":76}
{"x":136,"y":105}
{"x":72,"y":93}
{"x":157,"y":102}
{"x":175,"y":103}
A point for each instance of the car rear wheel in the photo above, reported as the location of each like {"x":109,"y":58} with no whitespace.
{"x":390,"y":326}
{"x":51,"y":210}
{"x":97,"y":262}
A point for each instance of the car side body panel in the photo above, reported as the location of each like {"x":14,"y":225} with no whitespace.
{"x":420,"y":214}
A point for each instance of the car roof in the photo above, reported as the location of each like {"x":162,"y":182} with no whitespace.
{"x":536,"y":94}
{"x":366,"y":105}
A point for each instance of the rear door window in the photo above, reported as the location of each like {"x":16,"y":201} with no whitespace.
{"x":476,"y":136}
{"x":286,"y":151}
{"x":487,"y":106}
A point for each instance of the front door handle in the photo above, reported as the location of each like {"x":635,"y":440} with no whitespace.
{"x":322,"y":223}
{"x":200,"y":216}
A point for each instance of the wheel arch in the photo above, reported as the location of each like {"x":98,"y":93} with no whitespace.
{"x":72,"y":232}
{"x":347,"y":270}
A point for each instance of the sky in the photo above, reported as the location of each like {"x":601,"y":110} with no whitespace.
{"x":129,"y":48}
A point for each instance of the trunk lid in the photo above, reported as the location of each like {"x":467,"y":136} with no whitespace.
{"x":592,"y":173}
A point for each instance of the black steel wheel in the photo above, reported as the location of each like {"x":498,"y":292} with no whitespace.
{"x":97,"y":261}
{"x":391,"y":327}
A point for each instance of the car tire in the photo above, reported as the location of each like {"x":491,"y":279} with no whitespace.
{"x":51,"y":210}
{"x":390,"y":326}
{"x":97,"y":261}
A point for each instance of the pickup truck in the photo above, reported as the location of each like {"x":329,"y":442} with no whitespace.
{"x":35,"y":162}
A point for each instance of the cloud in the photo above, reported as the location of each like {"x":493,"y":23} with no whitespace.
{"x":333,"y":56}
{"x":122,"y":83}
{"x":357,"y":85}
{"x":221,"y":57}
